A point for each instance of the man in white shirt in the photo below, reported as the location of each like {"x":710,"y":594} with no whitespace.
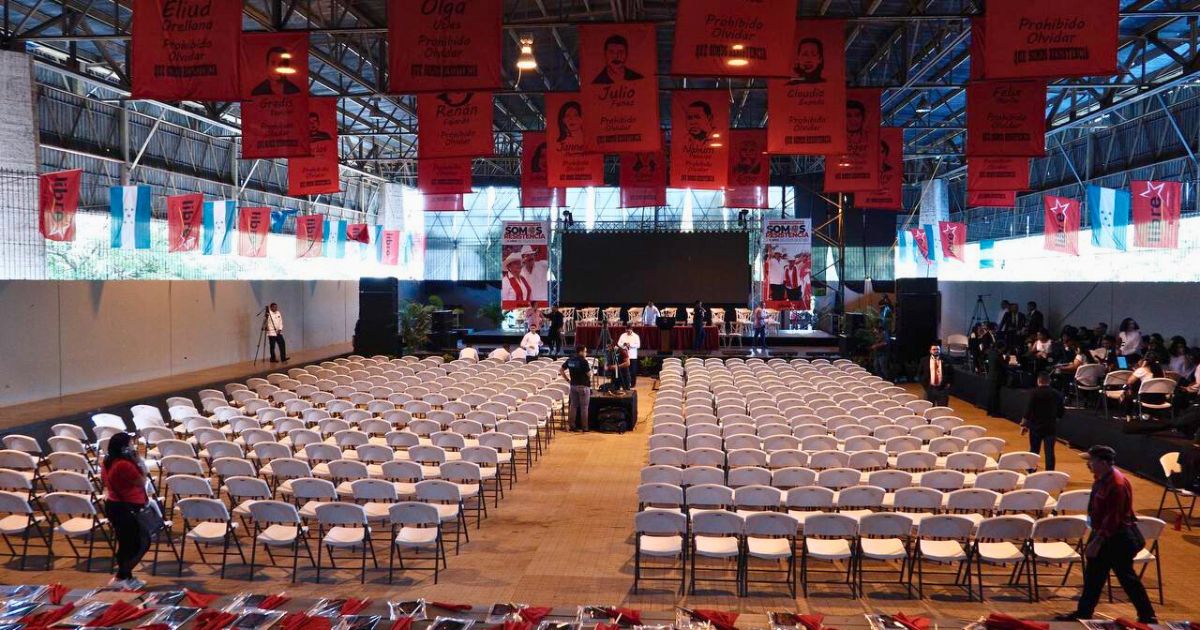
{"x":535,"y":273}
{"x":518,"y":355}
{"x":499,"y":353}
{"x":650,"y":315}
{"x":274,"y":326}
{"x":631,"y":341}
{"x":468,"y":354}
{"x":514,"y":286}
{"x":531,"y":343}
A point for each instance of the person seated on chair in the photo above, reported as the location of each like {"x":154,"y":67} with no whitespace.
{"x":1147,"y":369}
{"x":936,"y":376}
{"x":469,"y":354}
{"x":499,"y":353}
{"x":1180,"y":361}
{"x":1073,"y":357}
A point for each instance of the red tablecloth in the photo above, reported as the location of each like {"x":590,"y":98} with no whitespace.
{"x":681,"y":339}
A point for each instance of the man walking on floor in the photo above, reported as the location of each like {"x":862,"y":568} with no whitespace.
{"x":1114,"y":541}
{"x":1041,"y":418}
{"x":578,"y":372}
{"x":936,"y":377}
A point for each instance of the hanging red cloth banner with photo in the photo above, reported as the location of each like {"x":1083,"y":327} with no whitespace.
{"x":733,"y":38}
{"x":444,"y":203}
{"x":1156,"y":213}
{"x":254,"y":224}
{"x":806,"y":113}
{"x":992,"y":198}
{"x":185,"y":50}
{"x":1006,"y":118}
{"x":890,"y":195}
{"x":454,"y":124}
{"x":318,"y":173}
{"x":749,"y":169}
{"x":274,"y":79}
{"x":997,"y":173}
{"x":857,"y":170}
{"x":1050,"y":39}
{"x":58,"y":201}
{"x":570,"y":163}
{"x":1062,"y":225}
{"x":535,"y":193}
{"x":618,"y":70}
{"x":185,"y":221}
{"x":699,"y":139}
{"x":358,"y":233}
{"x":448,"y":176}
{"x":440,"y":45}
{"x":644,"y":179}
{"x":310,"y":236}
{"x":953,"y":238}
{"x":390,"y":251}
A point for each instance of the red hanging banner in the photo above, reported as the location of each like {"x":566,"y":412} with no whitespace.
{"x":448,"y":176}
{"x":992,"y":198}
{"x":618,"y":68}
{"x":274,"y":79}
{"x":535,"y":193}
{"x":440,"y":45}
{"x":444,"y":203}
{"x":976,"y":52}
{"x":58,"y":201}
{"x":310,"y":236}
{"x":1062,"y":225}
{"x":997,"y":174}
{"x":1050,"y":39}
{"x":317,"y":174}
{"x":749,"y":169}
{"x":643,"y":179}
{"x":1006,"y":118}
{"x":1156,"y":213}
{"x":390,"y":252}
{"x":358,"y":233}
{"x":185,"y":50}
{"x":857,"y":170}
{"x":254,"y":224}
{"x":890,"y":195}
{"x":954,"y":240}
{"x":454,"y":124}
{"x":185,"y":221}
{"x":806,"y":113}
{"x":699,"y":139}
{"x":733,"y":38}
{"x":570,"y":164}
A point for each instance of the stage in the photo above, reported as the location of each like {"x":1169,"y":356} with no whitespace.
{"x":1080,"y":427}
{"x":787,"y":343}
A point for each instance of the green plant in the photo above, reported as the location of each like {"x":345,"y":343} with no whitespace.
{"x":437,"y":302}
{"x":416,"y":324}
{"x":491,"y":312}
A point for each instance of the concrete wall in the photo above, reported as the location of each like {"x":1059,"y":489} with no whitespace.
{"x":1162,"y":307}
{"x":59,"y":338}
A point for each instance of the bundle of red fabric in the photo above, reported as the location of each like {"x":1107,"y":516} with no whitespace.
{"x":199,"y":600}
{"x":273,"y":602}
{"x":634,"y":617}
{"x":915,"y":622}
{"x":720,"y":619}
{"x":534,"y":614}
{"x":301,"y":621}
{"x":117,"y":614}
{"x":56,"y":593}
{"x":812,"y":621}
{"x":354,"y":606}
{"x":403,"y":623}
{"x":452,"y":607}
{"x":46,"y":618}
{"x":213,"y":620}
{"x":1131,"y":625}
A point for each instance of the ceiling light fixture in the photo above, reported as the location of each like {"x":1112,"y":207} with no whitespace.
{"x":738,"y":60}
{"x":526,"y":60}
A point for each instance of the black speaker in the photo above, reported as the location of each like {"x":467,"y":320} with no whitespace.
{"x":378,"y":299}
{"x":441,"y":329}
{"x":918,"y":317}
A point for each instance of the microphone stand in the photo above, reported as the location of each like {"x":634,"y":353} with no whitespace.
{"x":260,"y":348}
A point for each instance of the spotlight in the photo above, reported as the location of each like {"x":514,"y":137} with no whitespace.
{"x":526,"y":60}
{"x":737,"y":61}
{"x":285,"y":64}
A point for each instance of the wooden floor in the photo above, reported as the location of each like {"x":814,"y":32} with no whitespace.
{"x":563,"y":537}
{"x":26,"y":413}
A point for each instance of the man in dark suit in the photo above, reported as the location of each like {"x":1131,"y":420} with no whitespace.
{"x":995,"y":362}
{"x":1036,"y":321}
{"x":1041,"y":418}
{"x":1012,"y":326}
{"x":936,"y":377}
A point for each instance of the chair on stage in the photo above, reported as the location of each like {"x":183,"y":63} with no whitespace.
{"x":568,"y":313}
{"x":612,"y":315}
{"x":718,"y":320}
{"x":772,"y":321}
{"x":635,"y":315}
{"x":589,"y":316}
{"x":669,"y":311}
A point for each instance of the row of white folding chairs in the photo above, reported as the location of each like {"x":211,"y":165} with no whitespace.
{"x":915,"y":460}
{"x":891,"y":480}
{"x":941,"y":445}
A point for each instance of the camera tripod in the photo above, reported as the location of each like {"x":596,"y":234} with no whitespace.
{"x":980,"y":314}
{"x":260,"y":349}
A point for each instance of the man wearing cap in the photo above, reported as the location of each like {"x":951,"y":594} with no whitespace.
{"x":514,"y":287}
{"x":1114,"y":541}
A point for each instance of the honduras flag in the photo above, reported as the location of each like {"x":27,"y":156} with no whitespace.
{"x":130,"y":222}
{"x":220,"y":219}
{"x":1108,"y":212}
{"x":377,"y":243}
{"x":335,"y":238}
{"x":987,"y":256}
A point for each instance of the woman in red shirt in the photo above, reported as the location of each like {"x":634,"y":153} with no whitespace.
{"x":125,"y":482}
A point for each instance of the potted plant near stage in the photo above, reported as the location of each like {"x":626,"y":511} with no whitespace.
{"x":492,"y":313}
{"x":416,"y":324}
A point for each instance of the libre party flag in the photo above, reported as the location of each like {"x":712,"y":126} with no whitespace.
{"x":954,"y":240}
{"x":58,"y":200}
{"x":185,"y":220}
{"x":359,"y":233}
{"x":130,"y":221}
{"x":219,"y":220}
{"x":335,"y":238}
{"x":310,"y":235}
{"x":254,"y":224}
{"x":1156,"y":213}
{"x":1062,"y":225}
{"x":389,"y":247}
{"x":922,"y":238}
{"x":1108,"y":212}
